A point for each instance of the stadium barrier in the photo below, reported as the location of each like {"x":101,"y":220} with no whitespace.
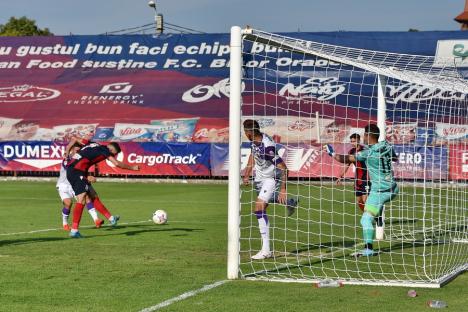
{"x":210,"y":160}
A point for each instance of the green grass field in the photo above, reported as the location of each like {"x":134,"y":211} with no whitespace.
{"x":140,"y":264}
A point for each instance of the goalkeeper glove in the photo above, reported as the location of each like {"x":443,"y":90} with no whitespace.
{"x":329,"y":149}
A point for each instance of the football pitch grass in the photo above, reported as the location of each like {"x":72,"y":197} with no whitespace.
{"x":139,"y":264}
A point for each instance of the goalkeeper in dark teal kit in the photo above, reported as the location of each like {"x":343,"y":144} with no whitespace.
{"x":378,"y":158}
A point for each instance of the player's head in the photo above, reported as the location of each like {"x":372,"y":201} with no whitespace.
{"x":355,"y":139}
{"x":75,"y":148}
{"x":114,"y":148}
{"x":371,"y":134}
{"x":251,"y":129}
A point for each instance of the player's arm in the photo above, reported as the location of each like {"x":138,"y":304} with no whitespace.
{"x":341,"y":177}
{"x":123,"y":165}
{"x":344,"y":159}
{"x":72,"y":142}
{"x":248,"y":170}
{"x":282,"y":196}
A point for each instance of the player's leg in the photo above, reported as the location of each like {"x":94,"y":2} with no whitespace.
{"x":374,"y":205}
{"x":66,"y":197}
{"x":77,"y":213}
{"x":265,"y":189}
{"x":90,"y":206}
{"x":291,"y":203}
{"x":80,"y":187}
{"x":101,"y":208}
{"x":67,"y":203}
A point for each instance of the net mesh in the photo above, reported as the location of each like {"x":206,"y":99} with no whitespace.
{"x":306,"y":94}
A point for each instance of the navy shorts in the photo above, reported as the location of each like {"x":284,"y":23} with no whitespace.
{"x":78,"y":181}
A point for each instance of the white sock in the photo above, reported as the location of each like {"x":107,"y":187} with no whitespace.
{"x":64,"y":219}
{"x":93,"y":213}
{"x":65,"y":216}
{"x":265,"y":233}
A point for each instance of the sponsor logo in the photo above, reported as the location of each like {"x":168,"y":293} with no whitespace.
{"x":451,"y":52}
{"x":117,"y":87}
{"x":318,"y":88}
{"x":460,"y":51}
{"x":169,"y":159}
{"x":299,"y":158}
{"x":322,"y":89}
{"x":113,"y":93}
{"x":410,"y":92}
{"x":201,"y":93}
{"x":301,"y":125}
{"x":38,"y":156}
{"x":296,"y":159}
{"x":27,"y":93}
{"x":451,"y":132}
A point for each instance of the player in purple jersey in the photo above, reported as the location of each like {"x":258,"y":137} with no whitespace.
{"x":271,"y":175}
{"x":361,"y":181}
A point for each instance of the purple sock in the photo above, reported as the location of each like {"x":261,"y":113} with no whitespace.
{"x":262,"y":214}
{"x":89,"y":206}
{"x":66,"y":211}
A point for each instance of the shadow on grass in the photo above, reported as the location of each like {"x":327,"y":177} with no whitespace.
{"x":142,"y":228}
{"x":107,"y":231}
{"x":30,"y":240}
{"x":332,"y":244}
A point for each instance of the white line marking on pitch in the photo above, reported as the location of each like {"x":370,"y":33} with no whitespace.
{"x":61,"y":229}
{"x":184,"y":296}
{"x":122,"y":223}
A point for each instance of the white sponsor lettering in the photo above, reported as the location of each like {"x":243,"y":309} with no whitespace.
{"x":409,"y":158}
{"x":27,"y":93}
{"x":39,"y":156}
{"x":465,"y":157}
{"x":201,"y":93}
{"x":410,"y":92}
{"x":319,"y":88}
{"x":152,"y":160}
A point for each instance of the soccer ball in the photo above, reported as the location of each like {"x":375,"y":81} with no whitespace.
{"x":160,"y":217}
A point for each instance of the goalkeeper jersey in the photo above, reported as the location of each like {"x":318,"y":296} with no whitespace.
{"x":378,"y":159}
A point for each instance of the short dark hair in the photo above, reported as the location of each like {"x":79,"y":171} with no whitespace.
{"x":372,"y":130}
{"x":252,"y":125}
{"x":76,"y":144}
{"x":355,"y":136}
{"x":116,"y":146}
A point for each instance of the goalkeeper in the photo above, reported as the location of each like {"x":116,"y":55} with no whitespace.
{"x":271,"y":175}
{"x":378,"y":158}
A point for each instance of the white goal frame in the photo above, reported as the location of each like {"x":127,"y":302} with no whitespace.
{"x":381,"y":69}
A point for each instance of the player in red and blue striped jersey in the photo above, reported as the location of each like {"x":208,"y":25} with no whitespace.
{"x":66,"y":193}
{"x":361,"y":180}
{"x":90,"y":154}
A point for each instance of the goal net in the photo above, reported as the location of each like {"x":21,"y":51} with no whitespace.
{"x":305,"y":95}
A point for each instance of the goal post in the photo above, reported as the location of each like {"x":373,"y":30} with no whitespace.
{"x":234,"y":151}
{"x":305,"y":94}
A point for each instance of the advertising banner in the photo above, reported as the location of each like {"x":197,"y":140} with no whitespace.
{"x":31,"y":156}
{"x":421,"y":162}
{"x":302,"y":160}
{"x":458,"y":162}
{"x":157,"y":158}
{"x":449,"y":133}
